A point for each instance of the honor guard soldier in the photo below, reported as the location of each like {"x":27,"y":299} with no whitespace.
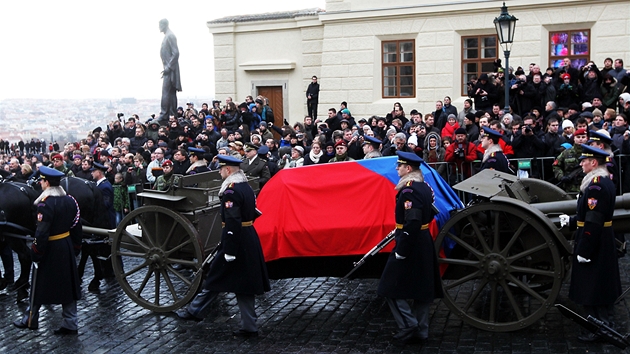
{"x":595,"y":282}
{"x":197,"y":163}
{"x":239,"y":266}
{"x":493,"y":157}
{"x":412,"y":271}
{"x":57,"y":241}
{"x":601,"y":139}
{"x":371,"y":147}
{"x":254,"y":166}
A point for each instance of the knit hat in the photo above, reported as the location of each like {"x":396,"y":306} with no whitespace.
{"x":460,"y":131}
{"x":597,"y":113}
{"x":566,"y":124}
{"x":299,"y":149}
{"x":413,"y":140}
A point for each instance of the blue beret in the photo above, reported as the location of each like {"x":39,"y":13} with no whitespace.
{"x":592,"y":152}
{"x":49,"y":173}
{"x":595,"y":135}
{"x":492,"y":133}
{"x":263,"y":150}
{"x":227,"y":160}
{"x":408,"y":158}
{"x":371,"y":140}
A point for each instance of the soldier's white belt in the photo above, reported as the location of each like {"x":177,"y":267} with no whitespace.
{"x":423,"y":227}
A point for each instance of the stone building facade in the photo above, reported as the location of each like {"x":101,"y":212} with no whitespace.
{"x":435,"y":48}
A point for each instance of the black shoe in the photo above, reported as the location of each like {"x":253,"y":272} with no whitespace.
{"x":94,"y":285}
{"x":185,"y":315}
{"x":588,"y":337}
{"x":405,"y":332}
{"x":64,"y":331}
{"x":22,"y":325}
{"x":244,"y":334}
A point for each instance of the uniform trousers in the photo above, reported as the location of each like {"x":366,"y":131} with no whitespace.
{"x":246,"y":304}
{"x":69,"y":316}
{"x":411,"y":316}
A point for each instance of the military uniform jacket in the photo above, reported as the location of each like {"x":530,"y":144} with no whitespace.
{"x":258,"y":168}
{"x":57,"y":277}
{"x":417,"y":276}
{"x":247,"y":274}
{"x":497,"y":161}
{"x":108,"y":199}
{"x":597,"y":282}
{"x":568,"y":164}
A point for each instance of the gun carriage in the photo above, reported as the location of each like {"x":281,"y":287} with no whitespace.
{"x":506,"y":256}
{"x":159,"y":248}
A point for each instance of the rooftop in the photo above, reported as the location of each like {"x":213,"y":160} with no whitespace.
{"x":268,"y":16}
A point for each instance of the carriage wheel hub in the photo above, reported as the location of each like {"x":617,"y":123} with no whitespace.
{"x":157,"y":257}
{"x":494,"y":266}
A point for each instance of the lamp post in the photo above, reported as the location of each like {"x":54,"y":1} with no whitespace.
{"x":505,"y":25}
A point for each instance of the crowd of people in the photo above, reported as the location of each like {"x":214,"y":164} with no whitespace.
{"x":551,"y":114}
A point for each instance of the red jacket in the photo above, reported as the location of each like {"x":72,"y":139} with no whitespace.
{"x":462,"y":165}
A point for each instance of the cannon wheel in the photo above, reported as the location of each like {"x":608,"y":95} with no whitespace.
{"x":147,"y":244}
{"x":504,"y":271}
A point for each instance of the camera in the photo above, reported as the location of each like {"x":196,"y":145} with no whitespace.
{"x":460,"y":151}
{"x":300,"y":135}
{"x":120,"y":115}
{"x":528,"y":129}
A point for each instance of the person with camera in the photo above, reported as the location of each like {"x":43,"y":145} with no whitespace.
{"x":528,"y":143}
{"x":484,"y":94}
{"x":462,"y":153}
{"x":522,"y":95}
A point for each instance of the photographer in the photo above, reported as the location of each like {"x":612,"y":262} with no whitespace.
{"x":484,"y":94}
{"x":522,"y":95}
{"x":462,"y":153}
{"x":114,"y":128}
{"x":591,"y":80}
{"x":527,"y":143}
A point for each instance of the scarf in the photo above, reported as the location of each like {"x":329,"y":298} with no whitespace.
{"x":195,"y":165}
{"x":52,"y":191}
{"x":315,"y":157}
{"x":493,"y":148}
{"x":236,"y":177}
{"x":415,"y":175}
{"x":600,"y":171}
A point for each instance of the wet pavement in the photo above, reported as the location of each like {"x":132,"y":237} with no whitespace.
{"x":301,"y":315}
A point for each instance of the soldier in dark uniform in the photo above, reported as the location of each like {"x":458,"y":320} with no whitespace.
{"x":602,"y":140}
{"x":57,"y":241}
{"x":595,"y":282}
{"x":239,"y":266}
{"x":412,"y":271}
{"x":493,"y":157}
{"x":253,"y":166}
{"x":197,"y":162}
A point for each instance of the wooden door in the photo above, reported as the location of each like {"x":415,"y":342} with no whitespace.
{"x":274,"y":94}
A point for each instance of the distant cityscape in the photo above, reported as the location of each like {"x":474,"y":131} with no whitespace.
{"x":69,"y":120}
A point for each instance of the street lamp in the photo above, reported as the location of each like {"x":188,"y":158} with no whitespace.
{"x":505,"y":25}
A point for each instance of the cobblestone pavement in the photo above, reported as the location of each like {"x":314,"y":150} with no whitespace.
{"x":303,"y":315}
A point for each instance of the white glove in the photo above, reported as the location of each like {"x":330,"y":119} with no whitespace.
{"x":229,"y":258}
{"x":399,"y":256}
{"x":582,"y":259}
{"x":564,"y":220}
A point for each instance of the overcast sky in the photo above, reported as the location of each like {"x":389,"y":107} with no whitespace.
{"x":64,"y":49}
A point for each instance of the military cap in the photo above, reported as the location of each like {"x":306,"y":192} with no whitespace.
{"x":597,"y":135}
{"x":196,"y":151}
{"x":371,"y":140}
{"x":341,"y":142}
{"x":592,"y":152}
{"x":48,"y":173}
{"x":98,"y":166}
{"x":167,"y":163}
{"x":409,"y":158}
{"x":250,"y":146}
{"x":227,"y":160}
{"x":580,"y":131}
{"x":492,"y":133}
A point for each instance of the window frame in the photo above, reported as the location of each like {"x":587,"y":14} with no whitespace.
{"x":573,"y":57}
{"x":479,"y":61}
{"x":398,"y":64}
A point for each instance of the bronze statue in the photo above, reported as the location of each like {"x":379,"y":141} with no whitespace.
{"x":171,"y":77}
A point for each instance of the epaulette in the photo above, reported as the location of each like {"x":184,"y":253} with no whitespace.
{"x":493,"y":154}
{"x":596,"y":179}
{"x":409,"y":183}
{"x":231,"y":185}
{"x":43,"y":199}
{"x":608,"y":159}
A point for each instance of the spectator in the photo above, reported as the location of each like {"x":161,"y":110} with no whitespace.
{"x":461,"y":153}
